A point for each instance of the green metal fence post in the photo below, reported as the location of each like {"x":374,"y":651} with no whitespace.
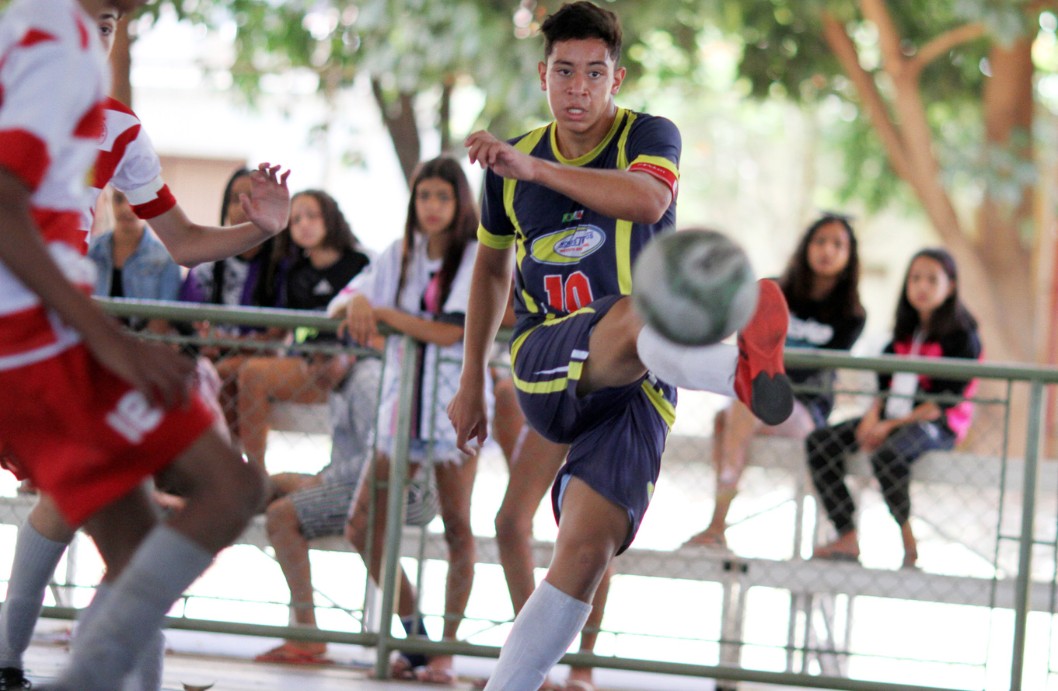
{"x":398,"y":478}
{"x":1022,"y":583}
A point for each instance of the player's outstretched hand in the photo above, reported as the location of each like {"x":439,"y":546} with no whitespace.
{"x":157,"y":371}
{"x":499,"y":156}
{"x":268,"y":204}
{"x":469,"y":417}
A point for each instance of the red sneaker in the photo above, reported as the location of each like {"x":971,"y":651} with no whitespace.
{"x":760,"y":380}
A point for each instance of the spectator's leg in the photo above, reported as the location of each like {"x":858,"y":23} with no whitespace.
{"x":455,"y":483}
{"x":262,"y":380}
{"x":228,"y":371}
{"x":370,"y":543}
{"x":891,"y":464}
{"x":827,"y":450}
{"x":292,"y":553}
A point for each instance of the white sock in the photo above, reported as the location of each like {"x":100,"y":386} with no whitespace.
{"x":146,"y":675}
{"x":124,"y":626}
{"x":703,"y":368}
{"x":34,"y":563}
{"x":542,"y":633}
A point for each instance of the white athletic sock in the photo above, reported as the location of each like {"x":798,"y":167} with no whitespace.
{"x":146,"y":674}
{"x":111,"y":641}
{"x":34,"y":563}
{"x":102,"y":593}
{"x":703,"y":368}
{"x":542,"y":633}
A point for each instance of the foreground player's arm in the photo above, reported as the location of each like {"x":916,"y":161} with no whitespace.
{"x":628,"y":195}
{"x":267,"y":207}
{"x":154,"y":369}
{"x":490,"y":287}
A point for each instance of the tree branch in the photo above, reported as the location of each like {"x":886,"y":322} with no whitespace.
{"x":940,"y":45}
{"x":876,"y":12}
{"x":838,"y":39}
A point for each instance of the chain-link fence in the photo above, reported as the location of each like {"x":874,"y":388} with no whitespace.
{"x":974,"y":610}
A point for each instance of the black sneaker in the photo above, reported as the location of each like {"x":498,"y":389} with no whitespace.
{"x":13,"y":678}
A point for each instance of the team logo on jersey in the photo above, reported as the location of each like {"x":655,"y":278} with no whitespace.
{"x":568,"y":246}
{"x":573,"y":216}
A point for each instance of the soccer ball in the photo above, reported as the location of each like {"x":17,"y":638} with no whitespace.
{"x":694,"y":287}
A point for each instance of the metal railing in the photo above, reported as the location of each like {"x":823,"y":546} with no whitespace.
{"x":764,"y":612}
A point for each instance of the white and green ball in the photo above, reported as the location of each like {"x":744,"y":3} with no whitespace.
{"x":694,"y":287}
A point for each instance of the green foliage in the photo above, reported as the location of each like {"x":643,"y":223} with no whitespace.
{"x":413,"y":46}
{"x":784,"y":54}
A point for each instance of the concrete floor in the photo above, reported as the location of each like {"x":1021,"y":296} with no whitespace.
{"x":198,"y":660}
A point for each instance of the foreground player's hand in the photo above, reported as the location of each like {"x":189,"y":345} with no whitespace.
{"x":157,"y":371}
{"x":469,"y":417}
{"x":268,"y":204}
{"x":499,"y":156}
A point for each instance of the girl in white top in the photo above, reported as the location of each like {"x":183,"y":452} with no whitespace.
{"x":420,"y":286}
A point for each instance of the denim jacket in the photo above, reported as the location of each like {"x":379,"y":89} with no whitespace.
{"x":149,"y":272}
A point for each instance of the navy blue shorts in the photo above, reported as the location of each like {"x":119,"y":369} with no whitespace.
{"x":616,"y":435}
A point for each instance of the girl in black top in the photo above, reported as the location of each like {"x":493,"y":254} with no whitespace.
{"x":324,"y":256}
{"x":821,"y":286}
{"x":906,"y":419}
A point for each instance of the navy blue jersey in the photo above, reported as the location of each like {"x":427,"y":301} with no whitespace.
{"x":566,"y":254}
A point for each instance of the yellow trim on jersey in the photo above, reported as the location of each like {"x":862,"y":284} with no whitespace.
{"x":526,"y":145}
{"x":496,"y":242}
{"x":665,"y":408}
{"x":623,"y":238}
{"x":622,"y":143}
{"x":573,"y":372}
{"x":618,"y":121}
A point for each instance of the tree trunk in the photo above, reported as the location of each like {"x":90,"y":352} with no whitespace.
{"x":444,"y":116}
{"x":399,"y":118}
{"x":904,"y":130}
{"x":1008,"y":106}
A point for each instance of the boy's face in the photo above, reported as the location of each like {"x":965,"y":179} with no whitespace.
{"x":108,"y":24}
{"x":581,"y":80}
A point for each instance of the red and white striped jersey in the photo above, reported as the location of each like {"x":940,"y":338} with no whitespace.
{"x":53,"y":78}
{"x":128,"y":161}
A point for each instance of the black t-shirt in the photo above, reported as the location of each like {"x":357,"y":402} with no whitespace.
{"x":309,"y":288}
{"x":812,"y":327}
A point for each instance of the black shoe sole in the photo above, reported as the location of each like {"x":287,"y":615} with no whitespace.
{"x":773,"y":399}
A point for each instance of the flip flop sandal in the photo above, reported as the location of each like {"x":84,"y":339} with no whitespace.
{"x":289,"y":654}
{"x":441,"y":677}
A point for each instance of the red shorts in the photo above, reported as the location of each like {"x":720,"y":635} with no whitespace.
{"x":84,"y":436}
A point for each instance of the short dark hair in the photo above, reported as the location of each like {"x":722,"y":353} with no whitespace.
{"x":580,"y":20}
